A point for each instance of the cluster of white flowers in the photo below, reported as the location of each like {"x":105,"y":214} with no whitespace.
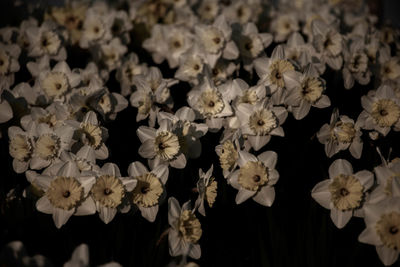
{"x":58,"y":132}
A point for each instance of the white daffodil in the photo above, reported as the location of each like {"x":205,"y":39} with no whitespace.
{"x":255,"y":178}
{"x":210,"y":103}
{"x":208,"y":10}
{"x":21,"y":146}
{"x":250,"y":42}
{"x":207,"y":189}
{"x":91,"y":134}
{"x":9,"y":65}
{"x":58,"y":82}
{"x":185,"y":230}
{"x":223,"y":71}
{"x":283,"y":25}
{"x":96,"y":29}
{"x":106,"y":103}
{"x":381,"y":110}
{"x":54,"y":115}
{"x":307,"y":93}
{"x":161,"y":146}
{"x":242,"y":11}
{"x":277,"y":74}
{"x":344,"y":192}
{"x":383,"y":229}
{"x":216,"y":42}
{"x":388,"y":180}
{"x":328,"y":42}
{"x":85,"y":159}
{"x":389,"y":66}
{"x":228,"y":153}
{"x":150,"y":189}
{"x":45,"y":40}
{"x":168,"y":42}
{"x":71,"y":16}
{"x":49,"y":143}
{"x":191,"y":66}
{"x":341,"y":134}
{"x":151,"y":90}
{"x":355,"y":66}
{"x":302,"y":53}
{"x":109,"y":190}
{"x":66,"y":191}
{"x":6,"y":112}
{"x":241,"y":92}
{"x":258,"y":122}
{"x":110,"y":54}
{"x":129,"y":68}
{"x":187,"y":130}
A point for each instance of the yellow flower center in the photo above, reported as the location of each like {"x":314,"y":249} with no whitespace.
{"x":385,"y":112}
{"x":388,"y":229}
{"x":55,"y":84}
{"x":211,"y":192}
{"x":262,"y":122}
{"x":147,"y":191}
{"x":167,"y":145}
{"x":210,"y":103}
{"x":91,"y":135}
{"x":20,"y":147}
{"x":346,"y":192}
{"x":311,"y":89}
{"x":108,"y":190}
{"x":65,"y":192}
{"x":228,"y":155}
{"x":343,"y":132}
{"x":253,"y":175}
{"x":189,"y":227}
{"x":48,"y":146}
{"x":277,"y":69}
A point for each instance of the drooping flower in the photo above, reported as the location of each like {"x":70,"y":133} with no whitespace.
{"x":207,"y":189}
{"x":185,"y":231}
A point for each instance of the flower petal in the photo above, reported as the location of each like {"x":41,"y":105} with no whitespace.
{"x":265,"y":196}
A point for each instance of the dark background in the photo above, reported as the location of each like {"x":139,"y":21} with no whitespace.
{"x":295,"y":231}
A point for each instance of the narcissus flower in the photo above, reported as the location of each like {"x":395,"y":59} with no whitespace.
{"x":255,"y":177}
{"x":344,"y":192}
{"x":185,"y":231}
{"x":383,"y":229}
{"x":149,"y":191}
{"x":66,"y":191}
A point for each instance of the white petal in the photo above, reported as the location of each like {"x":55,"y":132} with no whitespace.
{"x":340,"y":218}
{"x":69,"y":169}
{"x":321,"y":193}
{"x":195,"y":251}
{"x":106,"y":214}
{"x":61,"y":216}
{"x":356,"y":148}
{"x":366,"y":178}
{"x":174,"y":210}
{"x":269,"y":158}
{"x":323,"y":102}
{"x":44,"y":205}
{"x":258,"y":141}
{"x":161,"y":171}
{"x":6,"y":112}
{"x":137,"y":169}
{"x":111,"y":169}
{"x":265,"y":196}
{"x":369,"y":236}
{"x":243,"y":195}
{"x":88,"y":207}
{"x":340,"y":166}
{"x":179,"y":162}
{"x":149,"y":213}
{"x":146,"y":150}
{"x":145,"y":133}
{"x":244,"y":157}
{"x":387,"y":255}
